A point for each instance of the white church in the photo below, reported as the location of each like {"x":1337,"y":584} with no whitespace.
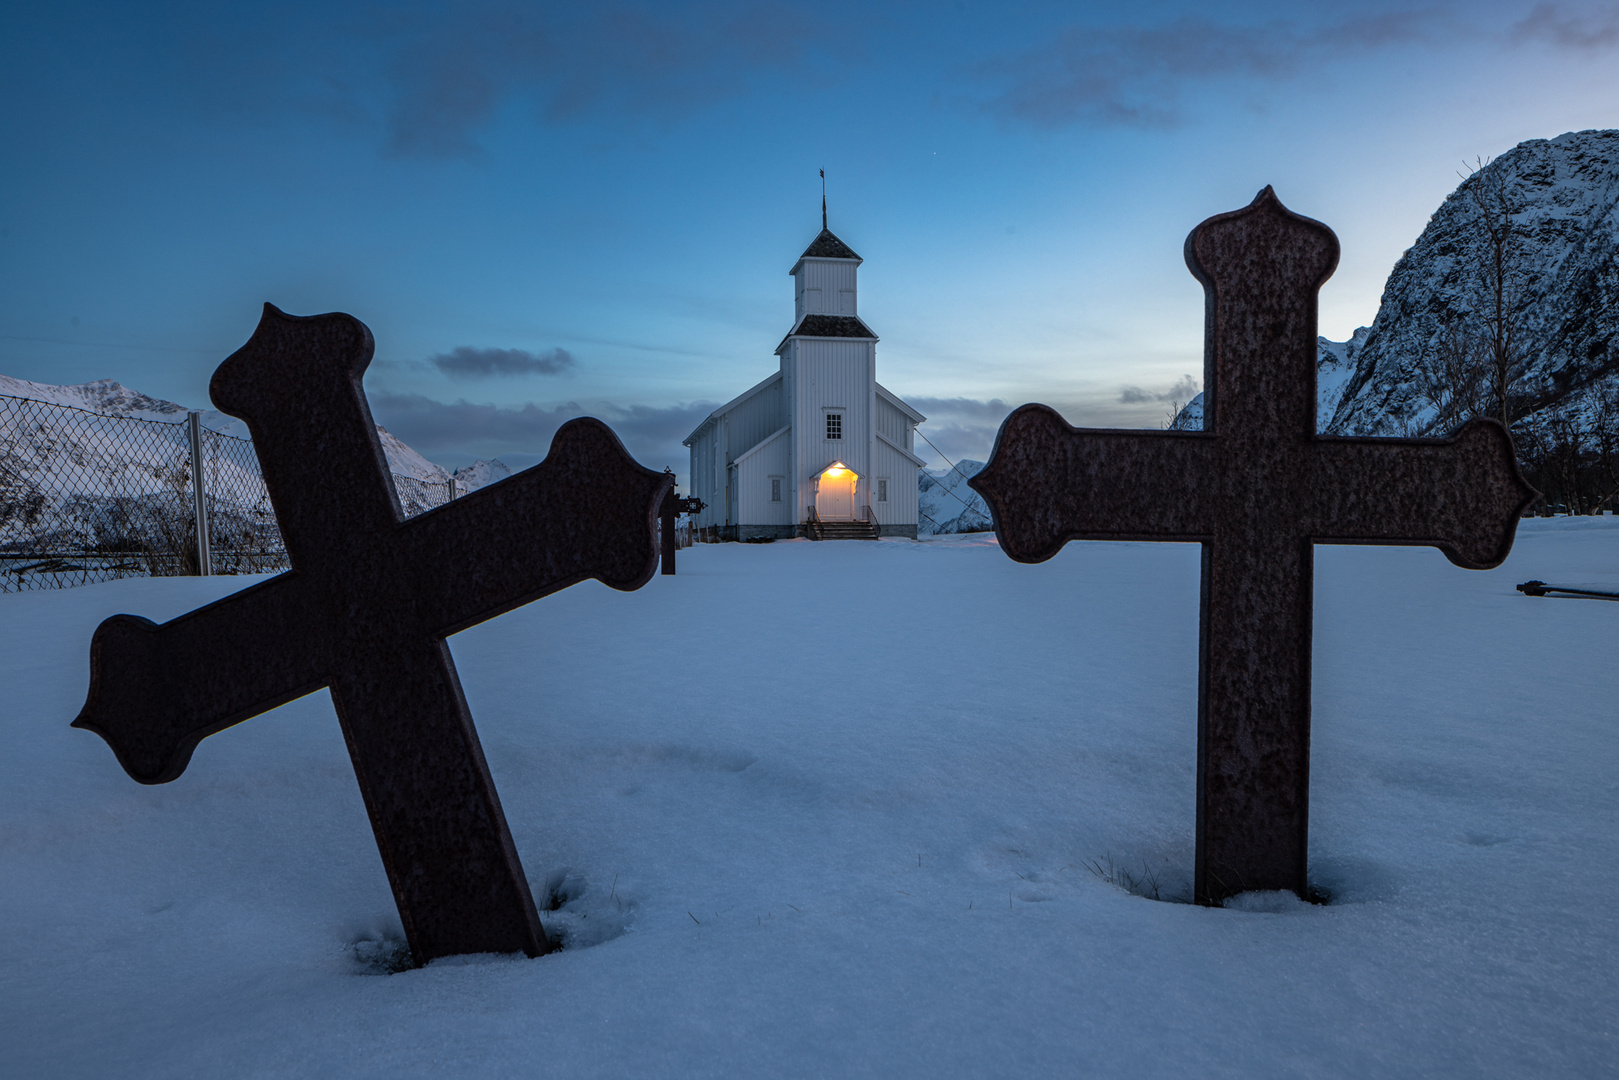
{"x":818,"y":449}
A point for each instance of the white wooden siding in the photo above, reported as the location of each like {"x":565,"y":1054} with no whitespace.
{"x":753,"y":472}
{"x":700,"y":481}
{"x":827,"y":281}
{"x":731,"y":431}
{"x":892,"y":422}
{"x":755,"y":419}
{"x":900,"y":509}
{"x":827,"y":373}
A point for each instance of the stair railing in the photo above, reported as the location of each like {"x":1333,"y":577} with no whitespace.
{"x":871,"y":519}
{"x":812,"y":525}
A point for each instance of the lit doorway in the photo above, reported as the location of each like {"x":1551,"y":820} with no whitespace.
{"x":834,"y":492}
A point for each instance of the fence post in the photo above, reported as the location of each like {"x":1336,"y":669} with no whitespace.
{"x":199,"y":494}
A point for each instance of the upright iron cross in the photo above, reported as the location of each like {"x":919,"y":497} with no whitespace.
{"x":1258,"y":488}
{"x":365,"y":611}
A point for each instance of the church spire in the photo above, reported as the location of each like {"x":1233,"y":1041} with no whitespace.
{"x":823,"y":198}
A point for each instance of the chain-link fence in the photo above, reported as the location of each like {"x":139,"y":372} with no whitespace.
{"x":419,"y":496}
{"x":86,"y":497}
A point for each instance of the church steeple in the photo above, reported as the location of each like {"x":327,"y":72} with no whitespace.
{"x":824,"y":278}
{"x":825,"y":245}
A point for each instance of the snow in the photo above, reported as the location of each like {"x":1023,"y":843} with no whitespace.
{"x":792,"y":842}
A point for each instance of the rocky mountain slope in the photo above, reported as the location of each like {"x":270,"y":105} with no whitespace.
{"x":1561,"y":300}
{"x":1562,"y":196}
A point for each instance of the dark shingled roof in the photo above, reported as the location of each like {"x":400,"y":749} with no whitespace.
{"x":827,"y":246}
{"x":844,"y":326}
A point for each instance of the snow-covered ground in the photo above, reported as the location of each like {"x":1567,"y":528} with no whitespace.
{"x":827,"y":810}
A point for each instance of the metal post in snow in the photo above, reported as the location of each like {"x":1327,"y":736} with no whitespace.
{"x":199,"y":494}
{"x":666,"y":521}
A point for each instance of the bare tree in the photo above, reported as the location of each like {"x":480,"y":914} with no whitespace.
{"x":1553,"y":442}
{"x":1451,"y":378}
{"x":1499,"y":293}
{"x":1605,"y":445}
{"x":1563,"y":415}
{"x":1477,"y":365}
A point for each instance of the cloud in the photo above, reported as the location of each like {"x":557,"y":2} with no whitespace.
{"x":1553,"y":24}
{"x":1140,"y":75}
{"x":429,"y":78}
{"x":994,"y":409}
{"x":462,"y":430}
{"x":959,"y":428}
{"x":467,"y":362}
{"x":1182,"y":392}
{"x":965,"y":428}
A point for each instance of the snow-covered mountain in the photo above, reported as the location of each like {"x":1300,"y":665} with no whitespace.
{"x":78,"y":479}
{"x":948,"y":505}
{"x":109,"y":398}
{"x":480,"y":474}
{"x":1562,"y":198}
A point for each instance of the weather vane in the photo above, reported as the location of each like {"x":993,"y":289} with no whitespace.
{"x":823,"y":198}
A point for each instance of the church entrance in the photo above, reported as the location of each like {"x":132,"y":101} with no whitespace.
{"x":834,"y":495}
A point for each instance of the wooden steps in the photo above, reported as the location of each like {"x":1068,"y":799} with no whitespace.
{"x":841,"y":530}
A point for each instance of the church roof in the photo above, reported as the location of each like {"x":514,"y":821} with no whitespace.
{"x":833,"y":326}
{"x":827,"y":246}
{"x":733,"y":403}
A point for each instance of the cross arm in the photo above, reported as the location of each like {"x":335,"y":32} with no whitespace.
{"x":1463,"y":495}
{"x":156,"y":691}
{"x":1048,"y":482}
{"x":589,"y":510}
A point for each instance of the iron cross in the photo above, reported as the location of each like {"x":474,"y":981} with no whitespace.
{"x":1257,"y":488}
{"x":365,"y":610}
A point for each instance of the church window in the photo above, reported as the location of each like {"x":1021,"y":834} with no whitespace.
{"x":834,"y":425}
{"x":775,"y":489}
{"x":882,"y":490}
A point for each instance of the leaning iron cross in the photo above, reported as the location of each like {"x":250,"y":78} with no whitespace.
{"x":365,"y":611}
{"x":1258,"y":488}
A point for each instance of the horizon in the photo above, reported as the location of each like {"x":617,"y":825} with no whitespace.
{"x":543,"y":212}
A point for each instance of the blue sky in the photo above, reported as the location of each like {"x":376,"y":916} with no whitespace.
{"x":549,"y":210}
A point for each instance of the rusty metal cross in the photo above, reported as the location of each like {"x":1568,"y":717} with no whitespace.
{"x":365,"y":610}
{"x":1257,"y":488}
